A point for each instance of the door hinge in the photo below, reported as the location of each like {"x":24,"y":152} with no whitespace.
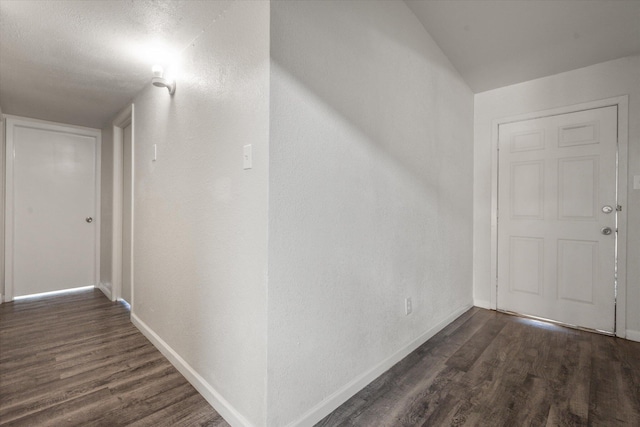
{"x":618,"y":208}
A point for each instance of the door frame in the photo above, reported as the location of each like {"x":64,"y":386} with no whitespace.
{"x":622,"y":102}
{"x":122,"y":120}
{"x":15,"y":121}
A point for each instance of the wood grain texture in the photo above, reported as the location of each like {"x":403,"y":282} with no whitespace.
{"x":492,"y":369}
{"x":77,"y":360}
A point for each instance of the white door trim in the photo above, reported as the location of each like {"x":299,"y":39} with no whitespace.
{"x":125,"y":118}
{"x":10,"y":123}
{"x":622,"y":102}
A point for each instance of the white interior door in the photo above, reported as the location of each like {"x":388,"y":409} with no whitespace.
{"x":52,"y":204}
{"x":556,"y":202}
{"x":126,"y":214}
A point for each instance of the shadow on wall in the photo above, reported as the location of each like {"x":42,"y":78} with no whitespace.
{"x":370,"y":196}
{"x":390,"y":93}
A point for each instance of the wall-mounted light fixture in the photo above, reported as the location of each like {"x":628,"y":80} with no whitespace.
{"x":159,"y":81}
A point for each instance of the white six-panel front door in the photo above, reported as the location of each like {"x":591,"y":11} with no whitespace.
{"x":556,"y":204}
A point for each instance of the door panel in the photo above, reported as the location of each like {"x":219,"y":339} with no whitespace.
{"x":53,"y":193}
{"x":527,"y":190}
{"x":555,"y":175}
{"x":578,"y":188}
{"x":526,"y":264}
{"x":576,"y":283}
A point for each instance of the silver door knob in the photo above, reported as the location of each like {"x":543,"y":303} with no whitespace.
{"x":606,"y":231}
{"x":89,"y":219}
{"x":607,"y":209}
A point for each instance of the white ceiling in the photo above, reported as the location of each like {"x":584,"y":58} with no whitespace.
{"x":498,"y":43}
{"x":79,"y":62}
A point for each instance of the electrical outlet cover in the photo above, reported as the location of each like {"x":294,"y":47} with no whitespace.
{"x":407,"y":306}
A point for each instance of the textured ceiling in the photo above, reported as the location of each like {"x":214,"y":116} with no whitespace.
{"x":498,"y":43}
{"x":80,"y":62}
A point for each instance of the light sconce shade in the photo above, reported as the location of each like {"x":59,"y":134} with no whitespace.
{"x":159,"y":81}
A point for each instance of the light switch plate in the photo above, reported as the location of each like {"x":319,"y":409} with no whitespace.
{"x":247,"y":160}
{"x":636,"y":182}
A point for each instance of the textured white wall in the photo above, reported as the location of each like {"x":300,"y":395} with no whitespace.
{"x":200,"y":226}
{"x":370,"y":200}
{"x":592,"y":83}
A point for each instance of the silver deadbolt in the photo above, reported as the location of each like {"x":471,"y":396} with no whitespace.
{"x":606,"y":231}
{"x":89,"y":219}
{"x":607,"y":209}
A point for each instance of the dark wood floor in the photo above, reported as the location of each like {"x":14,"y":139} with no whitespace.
{"x":492,"y":369}
{"x":76,"y":360}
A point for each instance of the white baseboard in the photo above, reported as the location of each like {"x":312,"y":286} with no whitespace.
{"x":633,"y":335}
{"x":105,"y":290}
{"x":482,"y":303}
{"x":330,"y":404}
{"x":215,"y":399}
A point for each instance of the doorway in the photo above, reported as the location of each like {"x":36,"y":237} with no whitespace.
{"x":558,"y":216}
{"x":52,"y":225}
{"x":123,"y":178}
{"x":127,"y":199}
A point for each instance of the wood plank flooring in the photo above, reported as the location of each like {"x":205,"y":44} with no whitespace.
{"x":492,"y":369}
{"x":77,"y":360}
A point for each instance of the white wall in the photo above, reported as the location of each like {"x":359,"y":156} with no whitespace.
{"x":370,"y":201}
{"x":200,"y":226}
{"x":592,"y":83}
